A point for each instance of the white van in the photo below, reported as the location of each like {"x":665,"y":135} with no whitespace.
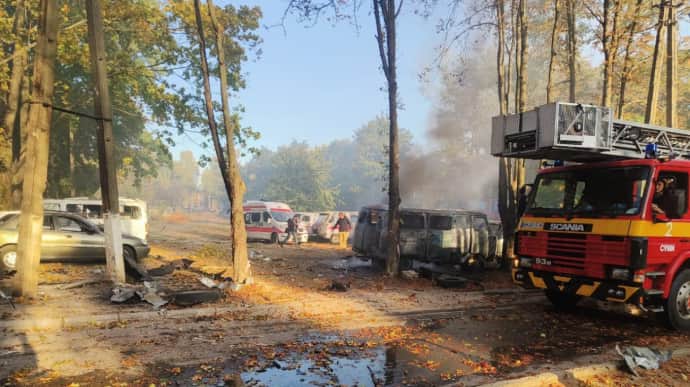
{"x":267,"y":221}
{"x":133,"y":213}
{"x":324,"y":227}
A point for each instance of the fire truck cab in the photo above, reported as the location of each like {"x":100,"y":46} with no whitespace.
{"x":604,"y":230}
{"x":616,"y":228}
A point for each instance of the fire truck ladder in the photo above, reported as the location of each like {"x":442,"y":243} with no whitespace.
{"x":630,"y":139}
{"x":577,"y":132}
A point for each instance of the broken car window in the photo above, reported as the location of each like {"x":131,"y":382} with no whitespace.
{"x":438,"y":222}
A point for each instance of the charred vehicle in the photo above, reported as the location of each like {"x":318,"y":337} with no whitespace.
{"x":438,"y":236}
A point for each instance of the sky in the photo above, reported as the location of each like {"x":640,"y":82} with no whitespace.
{"x":320,"y":83}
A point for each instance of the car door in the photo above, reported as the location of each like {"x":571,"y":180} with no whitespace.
{"x":50,"y":240}
{"x":71,"y":239}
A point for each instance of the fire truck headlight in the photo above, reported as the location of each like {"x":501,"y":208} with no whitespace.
{"x":620,"y":274}
{"x":526,"y":262}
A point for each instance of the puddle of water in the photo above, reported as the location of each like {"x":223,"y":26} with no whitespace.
{"x":341,"y":371}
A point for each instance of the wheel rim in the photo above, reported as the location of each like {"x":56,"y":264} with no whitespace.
{"x":127,"y":253}
{"x":9,"y":259}
{"x":683,"y":301}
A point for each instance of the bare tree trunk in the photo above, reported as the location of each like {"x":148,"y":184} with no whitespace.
{"x":672,"y":66}
{"x":625,"y":75}
{"x":240,"y":259}
{"x":572,"y":48}
{"x":19,"y":62}
{"x":552,"y":55}
{"x":655,"y":74}
{"x":385,"y":15}
{"x":605,"y":47}
{"x":36,"y":167}
{"x":517,"y":42}
{"x":522,"y":75}
{"x":213,"y":127}
{"x":19,"y":141}
{"x":500,"y":55}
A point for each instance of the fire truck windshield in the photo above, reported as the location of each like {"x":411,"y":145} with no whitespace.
{"x":590,"y":192}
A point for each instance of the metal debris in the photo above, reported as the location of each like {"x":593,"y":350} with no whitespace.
{"x":7,"y":298}
{"x":209,"y":283}
{"x":645,"y":357}
{"x":122,"y":294}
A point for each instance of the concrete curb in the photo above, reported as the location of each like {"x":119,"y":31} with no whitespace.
{"x":573,"y":376}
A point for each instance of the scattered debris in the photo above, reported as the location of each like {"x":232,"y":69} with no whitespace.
{"x":79,"y":284}
{"x":150,"y":296}
{"x":136,"y":270}
{"x":169,"y":268}
{"x":645,"y":357}
{"x":337,"y":286}
{"x":209,"y":283}
{"x":451,"y":281}
{"x":122,"y":294}
{"x":193,"y":297}
{"x":7,"y":298}
{"x":409,"y":274}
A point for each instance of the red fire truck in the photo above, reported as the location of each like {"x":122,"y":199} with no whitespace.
{"x":612,"y":224}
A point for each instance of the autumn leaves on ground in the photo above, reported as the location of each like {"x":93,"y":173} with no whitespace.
{"x":315,"y":315}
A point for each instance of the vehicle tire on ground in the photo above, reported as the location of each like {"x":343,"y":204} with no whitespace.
{"x":274,"y":238}
{"x":678,"y":303}
{"x":562,"y":301}
{"x":128,"y":252}
{"x":8,"y":258}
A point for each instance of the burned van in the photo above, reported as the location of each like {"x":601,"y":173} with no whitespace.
{"x":438,"y":236}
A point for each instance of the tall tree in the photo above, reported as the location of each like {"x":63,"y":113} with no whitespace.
{"x":572,"y":48}
{"x":36,"y":163}
{"x":240,"y":257}
{"x":655,"y":75}
{"x":672,"y":65}
{"x":19,"y":61}
{"x":552,"y":52}
{"x":627,"y":65}
{"x":386,"y":14}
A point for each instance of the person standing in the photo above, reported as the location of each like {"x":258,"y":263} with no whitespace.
{"x":293,"y":226}
{"x":344,"y":226}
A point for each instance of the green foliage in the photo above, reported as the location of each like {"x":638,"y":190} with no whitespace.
{"x":301,"y":178}
{"x":352,"y":171}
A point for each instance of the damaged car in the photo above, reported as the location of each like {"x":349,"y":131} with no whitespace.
{"x":456,"y":237}
{"x":65,"y":237}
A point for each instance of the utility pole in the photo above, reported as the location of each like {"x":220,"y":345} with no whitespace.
{"x":35,"y":168}
{"x":106,"y":162}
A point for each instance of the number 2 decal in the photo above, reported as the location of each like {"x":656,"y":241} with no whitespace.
{"x":669,"y":229}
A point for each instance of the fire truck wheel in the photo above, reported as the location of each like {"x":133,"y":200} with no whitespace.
{"x":678,"y":303}
{"x":562,"y":301}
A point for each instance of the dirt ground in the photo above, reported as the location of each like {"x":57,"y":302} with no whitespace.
{"x":315,"y":315}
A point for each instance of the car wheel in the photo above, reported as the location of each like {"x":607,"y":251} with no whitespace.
{"x":274,"y":238}
{"x":128,"y":253}
{"x":678,"y":303}
{"x":561,"y":301}
{"x":8,"y":258}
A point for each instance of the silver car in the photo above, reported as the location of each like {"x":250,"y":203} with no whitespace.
{"x":65,"y":237}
